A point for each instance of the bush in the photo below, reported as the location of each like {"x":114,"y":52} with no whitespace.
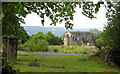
{"x":7,"y":66}
{"x":55,"y":50}
{"x":36,"y":45}
{"x":100,"y":42}
{"x":84,"y":52}
{"x":37,"y":42}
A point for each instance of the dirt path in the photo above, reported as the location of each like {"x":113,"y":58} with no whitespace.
{"x":53,"y":53}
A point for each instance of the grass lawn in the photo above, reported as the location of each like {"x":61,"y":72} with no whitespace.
{"x":51,"y":63}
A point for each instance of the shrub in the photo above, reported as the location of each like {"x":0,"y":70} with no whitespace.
{"x":37,"y":42}
{"x":7,"y":66}
{"x":55,"y":50}
{"x":84,"y":52}
{"x":36,"y":45}
{"x":100,"y":42}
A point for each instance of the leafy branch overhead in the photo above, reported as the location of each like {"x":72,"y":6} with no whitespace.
{"x":14,"y":13}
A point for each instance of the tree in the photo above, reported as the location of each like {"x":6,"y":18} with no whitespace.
{"x":96,"y":33}
{"x":109,"y":38}
{"x":24,"y":36}
{"x":56,"y":11}
{"x":100,"y":42}
{"x":52,"y":39}
{"x":37,"y":42}
{"x":112,"y":32}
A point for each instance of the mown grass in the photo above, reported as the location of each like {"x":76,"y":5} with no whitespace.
{"x":84,"y":49}
{"x":51,"y":63}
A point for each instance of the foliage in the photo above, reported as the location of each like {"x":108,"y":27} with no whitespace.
{"x":84,"y":49}
{"x":22,"y":39}
{"x":14,"y":13}
{"x":7,"y":66}
{"x":11,"y":21}
{"x":100,"y":42}
{"x":40,"y":41}
{"x":112,"y":33}
{"x":108,"y":41}
{"x":53,"y":40}
{"x":36,"y":42}
{"x":55,"y":50}
{"x":95,"y":32}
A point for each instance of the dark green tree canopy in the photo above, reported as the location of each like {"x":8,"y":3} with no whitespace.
{"x":110,"y":38}
{"x":53,"y":40}
{"x":14,"y":13}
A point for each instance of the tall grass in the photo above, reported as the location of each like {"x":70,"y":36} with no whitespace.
{"x":84,"y":49}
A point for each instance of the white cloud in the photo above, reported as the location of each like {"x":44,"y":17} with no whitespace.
{"x":81,"y":21}
{"x":32,"y":20}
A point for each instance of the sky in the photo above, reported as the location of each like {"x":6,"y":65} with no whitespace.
{"x":80,"y":21}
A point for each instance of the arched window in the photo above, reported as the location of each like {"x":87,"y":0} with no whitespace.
{"x":75,"y":39}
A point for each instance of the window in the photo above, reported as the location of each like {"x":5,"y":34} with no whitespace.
{"x":67,"y":35}
{"x":75,"y":39}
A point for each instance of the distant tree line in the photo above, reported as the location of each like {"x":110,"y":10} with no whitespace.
{"x":40,"y":42}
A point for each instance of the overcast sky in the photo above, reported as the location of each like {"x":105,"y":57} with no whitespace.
{"x":80,"y":21}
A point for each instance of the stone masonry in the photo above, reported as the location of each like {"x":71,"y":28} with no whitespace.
{"x":78,"y":38}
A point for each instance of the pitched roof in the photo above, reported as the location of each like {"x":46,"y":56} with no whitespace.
{"x":74,"y":32}
{"x":79,"y":33}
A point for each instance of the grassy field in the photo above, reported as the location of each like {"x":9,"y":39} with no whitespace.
{"x":50,"y":63}
{"x":84,"y":49}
